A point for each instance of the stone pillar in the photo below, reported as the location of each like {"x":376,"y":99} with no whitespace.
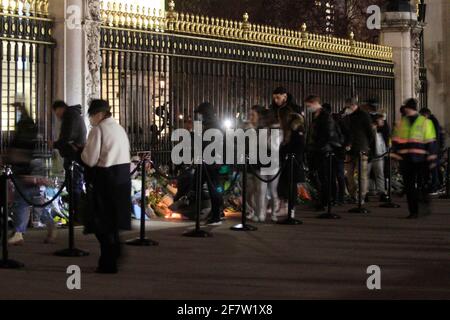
{"x":437,"y":58}
{"x":400,"y":29}
{"x":77,"y":54}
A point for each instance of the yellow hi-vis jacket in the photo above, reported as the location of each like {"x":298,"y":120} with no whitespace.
{"x":414,"y":142}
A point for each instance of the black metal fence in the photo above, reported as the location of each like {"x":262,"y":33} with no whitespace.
{"x":154,"y":80}
{"x":26,"y":57}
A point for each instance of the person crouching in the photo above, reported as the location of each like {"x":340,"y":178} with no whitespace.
{"x":107,"y":156}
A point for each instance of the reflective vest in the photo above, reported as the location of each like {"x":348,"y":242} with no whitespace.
{"x":415,"y":141}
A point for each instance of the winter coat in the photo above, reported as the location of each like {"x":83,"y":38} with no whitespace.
{"x":322,"y":137}
{"x":440,"y":137}
{"x":361,"y":132}
{"x":22,"y":147}
{"x":107,"y":159}
{"x":294,"y":143}
{"x":290,"y":103}
{"x":72,"y":137}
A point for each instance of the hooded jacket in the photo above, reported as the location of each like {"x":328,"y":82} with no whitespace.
{"x":73,"y":133}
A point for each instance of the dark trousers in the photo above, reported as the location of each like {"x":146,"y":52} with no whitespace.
{"x":78,"y":180}
{"x":435,"y":178}
{"x":415,"y":178}
{"x":322,"y":173}
{"x":109,"y":250}
{"x":338,"y":179}
{"x":211,"y":176}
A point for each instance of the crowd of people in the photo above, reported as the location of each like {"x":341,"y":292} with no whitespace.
{"x":328,"y":150}
{"x":356,"y":137}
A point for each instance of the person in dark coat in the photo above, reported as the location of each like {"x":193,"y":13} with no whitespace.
{"x":436,"y":182}
{"x":322,"y":139}
{"x":205,"y":113}
{"x":28,"y":173}
{"x":339,"y":185}
{"x":71,"y":141}
{"x":107,"y":158}
{"x":293,"y":129}
{"x":282,"y":98}
{"x":361,"y":137}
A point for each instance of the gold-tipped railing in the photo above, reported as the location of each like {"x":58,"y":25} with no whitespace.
{"x":24,"y":7}
{"x":116,"y":14}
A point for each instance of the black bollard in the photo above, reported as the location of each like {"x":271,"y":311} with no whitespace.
{"x":291,"y":200}
{"x":142,"y":241}
{"x":389,"y":203}
{"x":71,"y":251}
{"x":5,"y":262}
{"x":243,"y":226}
{"x":360,"y":208}
{"x":198,"y":232}
{"x":447,"y":178}
{"x":329,"y":214}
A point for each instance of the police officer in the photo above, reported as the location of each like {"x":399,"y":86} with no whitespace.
{"x":414,"y":145}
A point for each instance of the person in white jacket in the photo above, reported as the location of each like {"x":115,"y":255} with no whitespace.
{"x":107,"y":159}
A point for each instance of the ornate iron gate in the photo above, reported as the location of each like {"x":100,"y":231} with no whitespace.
{"x":156,"y":68}
{"x":26,"y":55}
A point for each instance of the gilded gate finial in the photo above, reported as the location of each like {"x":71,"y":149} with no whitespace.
{"x":152,"y":20}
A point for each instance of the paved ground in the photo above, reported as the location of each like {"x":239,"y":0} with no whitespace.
{"x":319,"y":260}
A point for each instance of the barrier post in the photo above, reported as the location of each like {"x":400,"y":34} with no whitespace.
{"x":360,"y":208}
{"x":71,"y":251}
{"x":329,"y":214}
{"x":198,"y":232}
{"x":447,"y":178}
{"x":142,"y":241}
{"x":291,"y":198}
{"x":5,"y":262}
{"x":243,"y":226}
{"x":389,"y":203}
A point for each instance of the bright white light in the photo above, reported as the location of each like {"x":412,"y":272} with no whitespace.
{"x":228,"y":124}
{"x":181,"y":117}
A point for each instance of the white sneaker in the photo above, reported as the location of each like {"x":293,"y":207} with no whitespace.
{"x":16,"y":239}
{"x":274,"y":218}
{"x":262,"y":219}
{"x":254,"y":218}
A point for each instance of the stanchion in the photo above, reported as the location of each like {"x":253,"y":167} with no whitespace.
{"x":198,"y":232}
{"x":142,"y":241}
{"x":243,"y":226}
{"x":447,"y":178}
{"x":389,"y":203}
{"x":360,"y":208}
{"x":5,"y":262}
{"x":291,"y":199}
{"x":71,"y":251}
{"x":329,"y":214}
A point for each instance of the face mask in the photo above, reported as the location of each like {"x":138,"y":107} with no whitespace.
{"x":199,"y":117}
{"x":348,"y":111}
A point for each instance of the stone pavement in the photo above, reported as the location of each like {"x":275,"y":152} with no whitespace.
{"x":318,"y":260}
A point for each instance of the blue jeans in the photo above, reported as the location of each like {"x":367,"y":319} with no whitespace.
{"x":21,"y":208}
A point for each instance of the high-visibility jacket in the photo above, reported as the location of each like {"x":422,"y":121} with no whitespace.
{"x":416,"y":141}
